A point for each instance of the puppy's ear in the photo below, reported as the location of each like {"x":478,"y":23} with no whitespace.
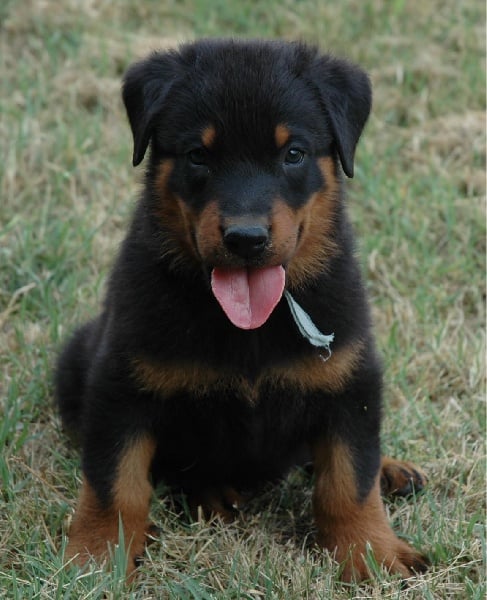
{"x":346,"y":95}
{"x":145,"y":88}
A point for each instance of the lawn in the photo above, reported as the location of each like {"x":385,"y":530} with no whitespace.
{"x":417,"y":201}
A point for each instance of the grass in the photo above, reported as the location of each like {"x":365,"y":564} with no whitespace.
{"x":418,"y":204}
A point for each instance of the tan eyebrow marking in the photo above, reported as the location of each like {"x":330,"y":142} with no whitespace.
{"x":282,"y":135}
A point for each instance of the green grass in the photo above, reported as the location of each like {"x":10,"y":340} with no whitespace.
{"x":417,"y":202}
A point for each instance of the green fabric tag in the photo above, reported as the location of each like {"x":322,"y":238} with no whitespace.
{"x":307,"y":328}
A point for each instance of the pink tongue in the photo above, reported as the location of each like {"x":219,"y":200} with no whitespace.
{"x":248,"y":296}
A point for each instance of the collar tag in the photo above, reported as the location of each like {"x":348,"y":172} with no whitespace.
{"x":307,"y":328}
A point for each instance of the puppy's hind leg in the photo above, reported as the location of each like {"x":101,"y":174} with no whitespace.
{"x":71,"y":374}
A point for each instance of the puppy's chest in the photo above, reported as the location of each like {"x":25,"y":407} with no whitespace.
{"x":299,"y":376}
{"x":199,"y":380}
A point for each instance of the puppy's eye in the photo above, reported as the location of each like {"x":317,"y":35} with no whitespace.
{"x":198,"y":157}
{"x":294,"y":156}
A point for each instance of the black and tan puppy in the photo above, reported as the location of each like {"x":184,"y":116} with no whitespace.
{"x":235,"y":330}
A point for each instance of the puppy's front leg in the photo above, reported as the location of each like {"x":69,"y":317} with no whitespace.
{"x":113,"y":489}
{"x":351,"y":519}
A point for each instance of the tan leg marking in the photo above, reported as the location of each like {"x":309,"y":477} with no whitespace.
{"x":94,"y":527}
{"x":348,"y":527}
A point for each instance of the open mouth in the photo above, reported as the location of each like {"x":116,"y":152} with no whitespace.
{"x":248,"y":295}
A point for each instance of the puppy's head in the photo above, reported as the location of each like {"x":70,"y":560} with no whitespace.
{"x":246,"y":140}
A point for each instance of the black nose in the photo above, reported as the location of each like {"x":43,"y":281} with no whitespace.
{"x":246,"y":241}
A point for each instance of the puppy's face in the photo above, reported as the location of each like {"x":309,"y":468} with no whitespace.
{"x":233,"y":197}
{"x":245,"y":143}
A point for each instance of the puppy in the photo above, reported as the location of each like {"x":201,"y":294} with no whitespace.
{"x":235,"y":331}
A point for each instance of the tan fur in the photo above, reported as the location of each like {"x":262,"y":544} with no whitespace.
{"x":207,"y":229}
{"x":313,"y":373}
{"x":94,"y":527}
{"x":197,"y":379}
{"x":313,"y":224}
{"x":397,"y":476}
{"x":222,"y":501}
{"x":346,"y":526}
{"x":174,"y":215}
{"x":285,"y":224}
{"x":208,"y":136}
{"x":183,"y":224}
{"x":317,"y":223}
{"x":281,"y":135}
{"x":307,"y":374}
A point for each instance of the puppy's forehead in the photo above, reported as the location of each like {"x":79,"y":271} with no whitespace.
{"x":244,"y":82}
{"x":245,"y":90}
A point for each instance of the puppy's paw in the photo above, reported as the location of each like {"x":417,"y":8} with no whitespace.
{"x":401,"y":478}
{"x":223,"y":501}
{"x":357,"y":560}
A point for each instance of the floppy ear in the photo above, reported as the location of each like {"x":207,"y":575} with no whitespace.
{"x":145,"y":88}
{"x":346,"y":95}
